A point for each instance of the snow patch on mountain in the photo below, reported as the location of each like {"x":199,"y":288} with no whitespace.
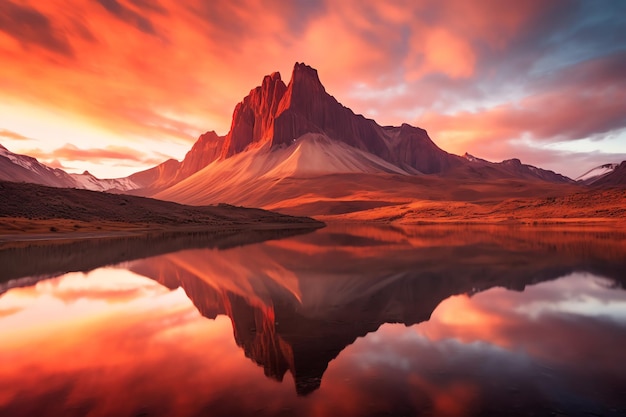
{"x":597,"y":173}
{"x":88,"y":181}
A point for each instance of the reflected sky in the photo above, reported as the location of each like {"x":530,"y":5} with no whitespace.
{"x":182,"y":334}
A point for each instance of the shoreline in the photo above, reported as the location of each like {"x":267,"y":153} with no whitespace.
{"x":36,"y":236}
{"x":551,"y":222}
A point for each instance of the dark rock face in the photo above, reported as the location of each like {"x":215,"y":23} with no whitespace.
{"x":278,"y":114}
{"x":253,"y":118}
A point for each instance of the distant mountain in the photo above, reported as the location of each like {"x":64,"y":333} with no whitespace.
{"x":615,"y":177}
{"x":23,"y":168}
{"x":88,"y":181}
{"x":514,"y":168}
{"x":595,"y":174}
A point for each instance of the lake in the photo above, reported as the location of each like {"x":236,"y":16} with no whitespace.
{"x":349,"y":320}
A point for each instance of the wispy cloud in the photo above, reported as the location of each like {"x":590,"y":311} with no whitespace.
{"x":12,"y":135}
{"x":70,"y":152}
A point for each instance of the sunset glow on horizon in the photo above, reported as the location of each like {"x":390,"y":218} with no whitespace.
{"x":117,"y":86}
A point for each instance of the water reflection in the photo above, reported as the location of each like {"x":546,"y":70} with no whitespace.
{"x":317,"y":312}
{"x":36,"y":259}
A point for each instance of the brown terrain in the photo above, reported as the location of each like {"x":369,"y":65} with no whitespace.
{"x":36,"y":209}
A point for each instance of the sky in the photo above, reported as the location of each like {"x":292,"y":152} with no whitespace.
{"x":117,"y":86}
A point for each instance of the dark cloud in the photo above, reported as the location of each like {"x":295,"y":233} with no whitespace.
{"x":30,"y":27}
{"x":151,"y":6}
{"x":128,"y":16}
{"x":235,"y":21}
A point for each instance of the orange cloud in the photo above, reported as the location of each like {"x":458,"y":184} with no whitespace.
{"x":70,"y":152}
{"x":440,"y":51}
{"x":12,"y":135}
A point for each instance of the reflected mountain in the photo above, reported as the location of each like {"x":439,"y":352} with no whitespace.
{"x":296,"y":304}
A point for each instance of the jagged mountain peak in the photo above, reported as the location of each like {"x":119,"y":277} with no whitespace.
{"x":306,"y":79}
{"x":277,"y":114}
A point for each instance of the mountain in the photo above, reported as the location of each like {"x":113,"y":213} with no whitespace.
{"x":277,"y":114}
{"x":88,"y":181}
{"x":294,"y":142}
{"x":513,"y":168}
{"x":23,"y":168}
{"x":156,"y":178}
{"x":206,"y":149}
{"x":614,"y":178}
{"x":594,"y":174}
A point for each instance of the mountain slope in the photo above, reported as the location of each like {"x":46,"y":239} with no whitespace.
{"x":23,"y":168}
{"x":594,"y":174}
{"x":252,"y":175}
{"x":615,"y":178}
{"x":31,"y":204}
{"x":511,"y":168}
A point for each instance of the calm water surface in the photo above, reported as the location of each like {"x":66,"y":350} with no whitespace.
{"x":346,"y":321}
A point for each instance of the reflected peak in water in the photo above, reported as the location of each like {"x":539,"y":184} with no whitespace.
{"x":296,"y":304}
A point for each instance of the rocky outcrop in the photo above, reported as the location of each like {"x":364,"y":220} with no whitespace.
{"x":206,"y":150}
{"x":253,"y":118}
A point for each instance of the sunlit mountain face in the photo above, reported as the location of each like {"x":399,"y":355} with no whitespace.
{"x":358,"y":319}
